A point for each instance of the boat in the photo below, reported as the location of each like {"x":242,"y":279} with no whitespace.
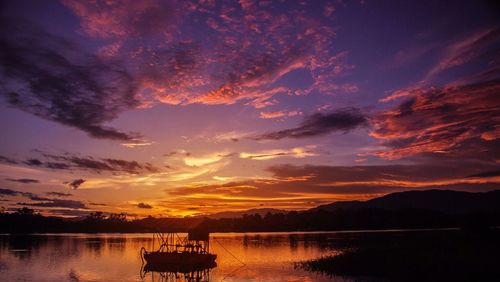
{"x":192,"y":250}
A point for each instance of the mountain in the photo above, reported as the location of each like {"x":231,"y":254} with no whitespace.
{"x":235,"y":214}
{"x":446,"y":201}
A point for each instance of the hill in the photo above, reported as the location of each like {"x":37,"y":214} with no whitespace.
{"x":445,"y":201}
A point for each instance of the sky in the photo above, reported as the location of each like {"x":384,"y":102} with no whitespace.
{"x":185,"y":108}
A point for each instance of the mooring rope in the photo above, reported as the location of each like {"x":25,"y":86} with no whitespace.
{"x":244,"y":264}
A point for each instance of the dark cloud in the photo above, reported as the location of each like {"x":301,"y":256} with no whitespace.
{"x":130,"y":166}
{"x":23,"y":180}
{"x":320,"y":124}
{"x":52,"y":78}
{"x":59,"y":194}
{"x":68,"y":161}
{"x":42,"y":201}
{"x":55,"y":203}
{"x":7,"y":160}
{"x":71,"y":161}
{"x":33,"y":162}
{"x":56,"y":165}
{"x":75,"y":183}
{"x":169,"y":154}
{"x":97,"y":204}
{"x":8,"y":192}
{"x":87,"y":163}
{"x":486,"y":174}
{"x":144,"y":206}
{"x":444,"y":122}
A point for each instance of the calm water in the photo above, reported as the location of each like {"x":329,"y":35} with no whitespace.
{"x":115,"y":257}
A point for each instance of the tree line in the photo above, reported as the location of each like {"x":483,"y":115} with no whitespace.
{"x":26,"y":220}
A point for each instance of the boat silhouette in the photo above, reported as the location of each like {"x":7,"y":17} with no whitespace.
{"x":192,"y":250}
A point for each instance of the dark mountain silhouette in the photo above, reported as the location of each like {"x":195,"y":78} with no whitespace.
{"x":445,"y":201}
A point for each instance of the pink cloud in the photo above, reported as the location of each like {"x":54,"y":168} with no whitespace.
{"x":246,"y":50}
{"x":328,"y":9}
{"x":466,"y":50}
{"x":122,"y":19}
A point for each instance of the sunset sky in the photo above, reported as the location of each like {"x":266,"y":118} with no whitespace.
{"x":175,"y":108}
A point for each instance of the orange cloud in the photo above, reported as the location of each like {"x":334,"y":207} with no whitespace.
{"x":300,"y":187}
{"x":441,"y":120}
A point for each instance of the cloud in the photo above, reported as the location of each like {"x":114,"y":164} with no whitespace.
{"x":351,"y":176}
{"x":55,"y":203}
{"x":270,"y":115}
{"x":328,"y":9}
{"x":125,"y":19}
{"x":75,"y":183}
{"x":132,"y":167}
{"x":147,"y":54}
{"x":487,"y":174}
{"x":207,"y":159}
{"x":23,"y":180}
{"x":144,"y":206}
{"x":404,"y":93}
{"x":58,"y":194}
{"x":330,"y":182}
{"x":70,"y":162}
{"x":230,"y":136}
{"x":460,"y":121}
{"x":480,"y":45}
{"x":321,"y":124}
{"x":33,"y":162}
{"x":244,"y":53}
{"x":137,"y":144}
{"x":42,"y":201}
{"x":52,"y":78}
{"x":298,"y":152}
{"x":7,"y":160}
{"x":299,"y":187}
{"x":410,"y":55}
{"x":8,"y":192}
{"x":278,"y":114}
{"x":97,"y":204}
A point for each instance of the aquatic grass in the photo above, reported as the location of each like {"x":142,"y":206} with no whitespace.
{"x":456,"y":257}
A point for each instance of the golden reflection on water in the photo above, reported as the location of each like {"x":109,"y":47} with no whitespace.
{"x":115,"y":257}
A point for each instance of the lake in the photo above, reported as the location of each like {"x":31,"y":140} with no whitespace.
{"x":115,"y":257}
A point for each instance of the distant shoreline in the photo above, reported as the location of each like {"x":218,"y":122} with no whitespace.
{"x":258,"y":233}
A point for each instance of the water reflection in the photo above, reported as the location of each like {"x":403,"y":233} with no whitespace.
{"x":177,"y":272}
{"x":115,"y":257}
